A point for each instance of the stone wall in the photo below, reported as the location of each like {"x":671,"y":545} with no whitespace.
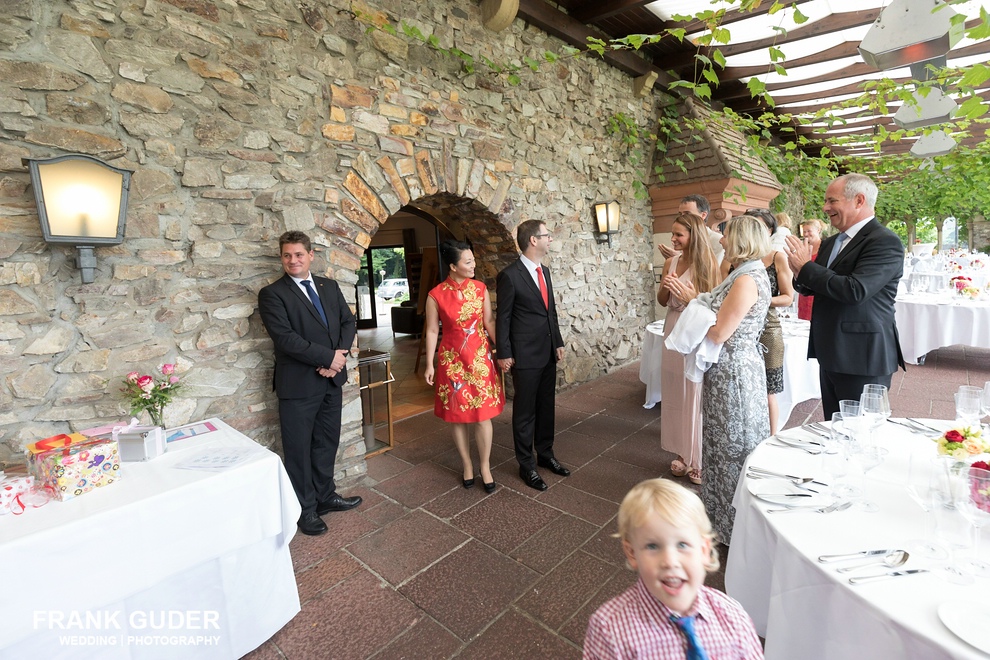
{"x":244,"y":118}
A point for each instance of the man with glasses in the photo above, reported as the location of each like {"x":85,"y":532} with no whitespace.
{"x":529,"y":344}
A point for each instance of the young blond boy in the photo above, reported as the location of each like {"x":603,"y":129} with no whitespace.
{"x":669,"y":613}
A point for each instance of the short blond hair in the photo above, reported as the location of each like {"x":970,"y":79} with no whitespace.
{"x":672,"y":502}
{"x":783,"y":219}
{"x":746,"y":238}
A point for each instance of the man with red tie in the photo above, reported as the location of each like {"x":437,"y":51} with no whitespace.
{"x":529,"y":344}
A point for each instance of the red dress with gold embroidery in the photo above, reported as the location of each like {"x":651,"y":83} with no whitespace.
{"x":468,"y":388}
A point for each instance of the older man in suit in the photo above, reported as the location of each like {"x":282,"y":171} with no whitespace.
{"x":312,"y":329}
{"x":854,"y":281}
{"x":529,"y":343}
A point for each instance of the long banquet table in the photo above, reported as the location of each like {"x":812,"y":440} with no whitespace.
{"x":800,"y":373}
{"x":927,"y":321}
{"x":804,"y":608}
{"x":164,"y":563}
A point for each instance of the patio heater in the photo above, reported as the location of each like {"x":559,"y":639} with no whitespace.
{"x":910,"y":31}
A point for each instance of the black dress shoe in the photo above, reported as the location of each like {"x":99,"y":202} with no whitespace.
{"x":554,"y":466}
{"x":311,"y":524}
{"x":532,"y":479}
{"x":337,"y":503}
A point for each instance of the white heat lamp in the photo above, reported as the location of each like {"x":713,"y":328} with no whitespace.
{"x":937,"y":143}
{"x":909,"y":31}
{"x":936,"y":108}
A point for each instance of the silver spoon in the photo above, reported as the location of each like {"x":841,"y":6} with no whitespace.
{"x":890,"y":560}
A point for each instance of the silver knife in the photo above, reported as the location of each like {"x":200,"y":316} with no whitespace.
{"x":799,"y":442}
{"x":913,"y":429}
{"x":884,"y":576}
{"x":824,"y":559}
{"x":757,"y":471}
{"x":924,"y":426}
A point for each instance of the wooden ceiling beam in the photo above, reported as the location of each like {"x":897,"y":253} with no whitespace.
{"x":593,"y":11}
{"x":845,"y":49}
{"x":557,"y":23}
{"x":730,"y":17}
{"x":827,"y":25}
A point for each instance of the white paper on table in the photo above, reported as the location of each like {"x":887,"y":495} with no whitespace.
{"x":215,"y":458}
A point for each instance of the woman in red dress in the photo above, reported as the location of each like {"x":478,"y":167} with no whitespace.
{"x":468,"y":388}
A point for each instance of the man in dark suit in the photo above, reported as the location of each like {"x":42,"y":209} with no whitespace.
{"x":854,"y":281}
{"x":529,"y":343}
{"x":312,"y":329}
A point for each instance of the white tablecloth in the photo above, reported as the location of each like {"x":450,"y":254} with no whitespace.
{"x":800,"y":374}
{"x":164,"y":563}
{"x":927,"y":321}
{"x":805,"y":609}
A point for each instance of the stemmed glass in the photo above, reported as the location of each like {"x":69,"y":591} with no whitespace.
{"x":835,"y":460}
{"x":973,"y":502}
{"x":985,"y":399}
{"x":865,"y":456}
{"x":949,"y":522}
{"x":918,"y":486}
{"x":874,"y":410}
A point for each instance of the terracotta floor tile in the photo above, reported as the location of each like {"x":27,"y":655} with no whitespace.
{"x":582,"y":401}
{"x":575,"y":450}
{"x":505,"y":519}
{"x":267,"y":651}
{"x":577,"y":625}
{"x":516,"y":636}
{"x":468,"y":588}
{"x":406,"y":546}
{"x":424,"y":447}
{"x":325,"y":574}
{"x":580,"y":504}
{"x":352,"y":620}
{"x":564,"y":590}
{"x":343,"y":528}
{"x":450,"y":504}
{"x":605,"y":546}
{"x":385,"y":512}
{"x":424,"y":641}
{"x":385,"y":466}
{"x":552,"y":544}
{"x":419,"y":485}
{"x":609,"y":479}
{"x":415,"y":427}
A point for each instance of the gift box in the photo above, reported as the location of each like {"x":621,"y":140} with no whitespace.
{"x":12,"y":489}
{"x":70,"y":465}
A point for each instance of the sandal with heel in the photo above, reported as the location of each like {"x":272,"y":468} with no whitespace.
{"x":678,"y":468}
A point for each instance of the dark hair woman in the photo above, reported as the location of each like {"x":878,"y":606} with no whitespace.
{"x":467,"y":386}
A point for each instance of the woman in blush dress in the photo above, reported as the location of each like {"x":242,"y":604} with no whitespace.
{"x":468,"y":388}
{"x":811,"y":232}
{"x":735,"y":416}
{"x":680,"y":417}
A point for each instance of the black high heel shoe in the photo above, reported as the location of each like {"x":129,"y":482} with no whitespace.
{"x":489,"y":487}
{"x":469,"y":483}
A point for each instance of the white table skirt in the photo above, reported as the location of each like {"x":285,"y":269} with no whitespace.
{"x":805,"y":609}
{"x":927,"y":321}
{"x":160,"y":540}
{"x":801,"y":381}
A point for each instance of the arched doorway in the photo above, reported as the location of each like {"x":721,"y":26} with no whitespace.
{"x":417,"y":229}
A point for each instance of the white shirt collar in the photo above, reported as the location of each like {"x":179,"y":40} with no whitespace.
{"x":299,"y":280}
{"x":855,"y":229}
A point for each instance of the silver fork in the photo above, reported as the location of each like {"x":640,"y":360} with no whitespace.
{"x":835,"y":506}
{"x":813,"y":452}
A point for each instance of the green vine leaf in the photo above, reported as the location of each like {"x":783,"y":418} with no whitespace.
{"x":798,"y":17}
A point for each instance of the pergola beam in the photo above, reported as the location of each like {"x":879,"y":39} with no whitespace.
{"x":556,"y":23}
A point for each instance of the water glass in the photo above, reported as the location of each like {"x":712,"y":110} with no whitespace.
{"x":835,"y":459}
{"x":951,"y":528}
{"x":985,"y":399}
{"x":968,"y":403}
{"x":881,"y":391}
{"x":918,"y":486}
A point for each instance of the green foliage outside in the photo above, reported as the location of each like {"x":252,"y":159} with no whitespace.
{"x":390,"y":260}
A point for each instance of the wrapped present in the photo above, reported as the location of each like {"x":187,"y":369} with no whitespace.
{"x":70,"y":465}
{"x":12,"y":490}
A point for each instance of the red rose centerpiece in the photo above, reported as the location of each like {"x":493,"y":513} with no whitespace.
{"x":145,"y":393}
{"x":962,"y":443}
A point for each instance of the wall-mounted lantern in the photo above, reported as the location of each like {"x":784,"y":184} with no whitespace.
{"x":81,"y":201}
{"x":606,"y":221}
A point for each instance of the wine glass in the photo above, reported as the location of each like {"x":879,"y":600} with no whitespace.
{"x":864,"y":457}
{"x":835,"y":460}
{"x":874,"y":411}
{"x":882,"y":391}
{"x":973,"y":502}
{"x":985,"y":399}
{"x":918,"y":486}
{"x":951,"y":528}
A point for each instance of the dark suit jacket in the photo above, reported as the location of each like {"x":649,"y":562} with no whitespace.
{"x":852,"y":321}
{"x":302,"y":342}
{"x":525,"y":330}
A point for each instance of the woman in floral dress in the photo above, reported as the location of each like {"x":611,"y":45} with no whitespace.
{"x":734,"y":411}
{"x":467,"y":385}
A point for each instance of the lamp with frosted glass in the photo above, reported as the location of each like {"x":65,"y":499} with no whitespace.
{"x":606,"y":221}
{"x":81,"y":201}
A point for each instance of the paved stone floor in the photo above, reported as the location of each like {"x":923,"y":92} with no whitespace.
{"x":426,"y":569}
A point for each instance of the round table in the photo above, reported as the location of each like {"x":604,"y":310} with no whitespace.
{"x":800,"y":373}
{"x":803,"y":608}
{"x":928,"y":321}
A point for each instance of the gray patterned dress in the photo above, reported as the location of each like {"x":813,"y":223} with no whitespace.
{"x":735,"y":417}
